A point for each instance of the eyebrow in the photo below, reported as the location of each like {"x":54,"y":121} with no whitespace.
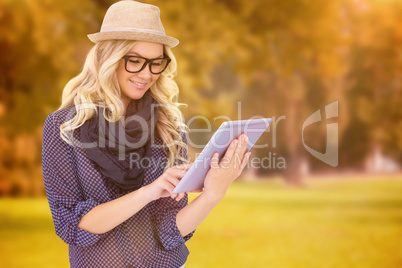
{"x":132,"y":53}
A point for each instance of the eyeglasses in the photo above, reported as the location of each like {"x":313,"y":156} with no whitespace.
{"x":135,"y":64}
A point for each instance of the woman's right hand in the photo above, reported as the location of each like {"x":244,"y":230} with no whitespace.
{"x":164,"y":185}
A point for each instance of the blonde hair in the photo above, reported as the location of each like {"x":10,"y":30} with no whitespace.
{"x":97,"y":86}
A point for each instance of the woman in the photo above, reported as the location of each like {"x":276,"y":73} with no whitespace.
{"x":113,"y":208}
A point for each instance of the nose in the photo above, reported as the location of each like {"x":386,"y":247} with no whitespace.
{"x":145,"y":73}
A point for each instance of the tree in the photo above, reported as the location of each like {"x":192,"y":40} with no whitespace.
{"x":375,"y":94}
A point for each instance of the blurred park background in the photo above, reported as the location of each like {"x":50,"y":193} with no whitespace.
{"x":237,"y":59}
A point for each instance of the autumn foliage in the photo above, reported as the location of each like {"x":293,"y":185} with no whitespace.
{"x":277,"y":58}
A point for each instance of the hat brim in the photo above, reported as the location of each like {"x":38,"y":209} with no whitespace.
{"x":126,"y":35}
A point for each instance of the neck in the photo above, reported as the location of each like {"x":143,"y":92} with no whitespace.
{"x":125,"y":100}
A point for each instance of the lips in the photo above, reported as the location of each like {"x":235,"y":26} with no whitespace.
{"x":138,"y":84}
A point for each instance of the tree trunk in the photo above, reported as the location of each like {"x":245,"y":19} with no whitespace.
{"x":295,"y":170}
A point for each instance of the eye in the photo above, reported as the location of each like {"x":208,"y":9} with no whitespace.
{"x":133,"y":61}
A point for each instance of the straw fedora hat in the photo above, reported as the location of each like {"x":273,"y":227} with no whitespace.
{"x":131,"y":20}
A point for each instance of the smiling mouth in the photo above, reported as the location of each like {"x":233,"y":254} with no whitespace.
{"x":138,"y":83}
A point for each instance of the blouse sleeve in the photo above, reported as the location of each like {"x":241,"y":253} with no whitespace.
{"x":164,"y":218}
{"x":66,"y":202}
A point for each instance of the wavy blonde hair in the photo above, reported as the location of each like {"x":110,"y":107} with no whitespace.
{"x":97,"y":86}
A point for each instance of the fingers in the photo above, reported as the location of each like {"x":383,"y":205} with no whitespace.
{"x":179,"y":196}
{"x":195,"y":191}
{"x":165,"y":184}
{"x":183,"y":166}
{"x":215,"y":161}
{"x":245,"y":160}
{"x":242,"y":145}
{"x":168,"y":185}
{"x":172,"y":177}
{"x":235,"y":153}
{"x":229,"y":153}
{"x":179,"y":170}
{"x":239,"y":155}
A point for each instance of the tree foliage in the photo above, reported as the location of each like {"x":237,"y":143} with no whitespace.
{"x":278,"y":58}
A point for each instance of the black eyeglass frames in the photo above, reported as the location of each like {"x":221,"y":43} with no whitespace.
{"x":135,"y":64}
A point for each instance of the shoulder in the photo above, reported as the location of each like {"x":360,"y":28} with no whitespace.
{"x":51,"y":127}
{"x":183,"y":135}
{"x":61,"y":116}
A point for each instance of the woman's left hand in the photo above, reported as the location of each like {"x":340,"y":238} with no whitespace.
{"x":216,"y":183}
{"x":223,"y":173}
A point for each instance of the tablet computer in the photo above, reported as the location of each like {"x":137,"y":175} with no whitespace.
{"x":220,"y":141}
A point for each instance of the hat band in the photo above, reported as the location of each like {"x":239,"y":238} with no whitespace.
{"x":129,"y":29}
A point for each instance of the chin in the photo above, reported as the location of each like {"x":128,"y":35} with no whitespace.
{"x":136,"y":95}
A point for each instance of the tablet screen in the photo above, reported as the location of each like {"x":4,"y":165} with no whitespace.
{"x":220,"y":141}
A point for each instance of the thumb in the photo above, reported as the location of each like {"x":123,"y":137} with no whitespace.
{"x":215,"y":160}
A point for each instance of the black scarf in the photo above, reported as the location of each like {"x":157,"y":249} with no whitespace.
{"x":111,"y":146}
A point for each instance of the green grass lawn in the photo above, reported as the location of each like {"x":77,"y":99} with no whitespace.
{"x":328,"y":223}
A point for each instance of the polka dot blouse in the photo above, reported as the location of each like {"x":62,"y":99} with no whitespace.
{"x":74,"y":186}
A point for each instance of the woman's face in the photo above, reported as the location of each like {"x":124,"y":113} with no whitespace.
{"x":134,"y":85}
